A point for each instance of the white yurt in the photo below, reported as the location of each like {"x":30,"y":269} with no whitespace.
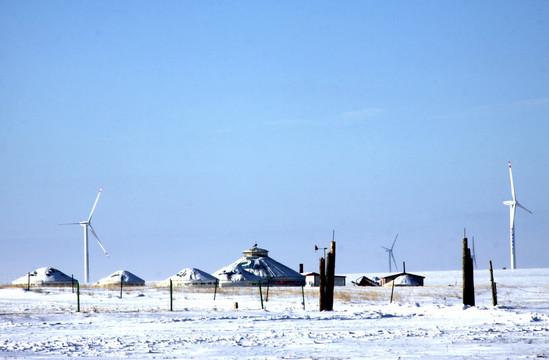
{"x":45,"y":276}
{"x":258,"y":262}
{"x":126,"y":277}
{"x":191,"y":277}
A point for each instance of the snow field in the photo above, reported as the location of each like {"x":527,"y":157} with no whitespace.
{"x":422,"y":323}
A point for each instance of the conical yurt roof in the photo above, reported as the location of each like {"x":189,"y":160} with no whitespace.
{"x":258,"y":262}
{"x":126,"y":277}
{"x":235,"y":273}
{"x":192,"y":276}
{"x":44,"y":276}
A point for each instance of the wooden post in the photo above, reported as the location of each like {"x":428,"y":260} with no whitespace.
{"x":268,"y":283}
{"x":215,"y":289}
{"x":121,"y":286}
{"x":494,"y":289}
{"x":329,"y":282}
{"x":260,"y":294}
{"x":468,"y":276}
{"x":303,"y":296}
{"x":392,"y":290}
{"x":330,"y":278}
{"x":171,"y":295}
{"x":321,"y":285}
{"x":28,"y":281}
{"x":77,"y":296}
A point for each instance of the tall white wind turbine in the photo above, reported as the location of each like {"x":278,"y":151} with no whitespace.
{"x":512,"y":209}
{"x":87,"y":225}
{"x":391,"y":256}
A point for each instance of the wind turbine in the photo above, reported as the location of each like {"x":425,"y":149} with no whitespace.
{"x":512,"y":208}
{"x":87,"y":225}
{"x":391,"y":256}
{"x":473,"y":255}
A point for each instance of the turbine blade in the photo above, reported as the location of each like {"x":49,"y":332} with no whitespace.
{"x":69,"y":224}
{"x":386,"y":249}
{"x":99,"y":241}
{"x":394,"y":261}
{"x":394,"y":242}
{"x":95,"y":204}
{"x":474,"y":256}
{"x":512,"y":185}
{"x":522,"y":207}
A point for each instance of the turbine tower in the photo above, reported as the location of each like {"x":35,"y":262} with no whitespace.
{"x":512,"y":209}
{"x":391,"y":256}
{"x":87,"y":225}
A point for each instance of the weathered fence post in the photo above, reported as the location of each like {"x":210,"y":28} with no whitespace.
{"x":171,"y":295}
{"x":215,"y":288}
{"x":28,"y":281}
{"x":321,"y":285}
{"x":330,"y":277}
{"x":77,"y":296}
{"x":121,"y":286}
{"x":268,"y":285}
{"x":494,"y":289}
{"x":260,"y":294}
{"x":392,"y":291}
{"x":326,"y":280}
{"x":303,"y":296}
{"x":468,"y":276}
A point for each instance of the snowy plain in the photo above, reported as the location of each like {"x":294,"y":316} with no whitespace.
{"x":427,"y":322}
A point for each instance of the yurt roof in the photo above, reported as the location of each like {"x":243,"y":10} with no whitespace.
{"x":261,"y":265}
{"x":192,"y":274}
{"x":408,"y":279}
{"x":126,"y":277}
{"x":45,"y":276}
{"x":235,"y":273}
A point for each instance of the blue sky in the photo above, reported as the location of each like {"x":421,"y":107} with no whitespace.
{"x":215,"y":125}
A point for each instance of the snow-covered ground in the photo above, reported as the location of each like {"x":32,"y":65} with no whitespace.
{"x":422,"y":322}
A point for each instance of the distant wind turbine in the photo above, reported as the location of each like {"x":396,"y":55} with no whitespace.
{"x":391,"y":256}
{"x":512,"y":209}
{"x":473,"y":255}
{"x":87,"y":224}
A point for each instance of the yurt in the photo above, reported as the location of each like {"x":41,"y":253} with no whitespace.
{"x":121,"y":276}
{"x":45,"y":276}
{"x":191,"y":277}
{"x":235,"y":275}
{"x":257,"y":262}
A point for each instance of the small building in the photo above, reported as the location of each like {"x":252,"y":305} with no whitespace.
{"x":191,"y":277}
{"x":313,"y":279}
{"x":121,"y":276}
{"x":45,"y":276}
{"x":402,"y":279}
{"x":365,"y":281}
